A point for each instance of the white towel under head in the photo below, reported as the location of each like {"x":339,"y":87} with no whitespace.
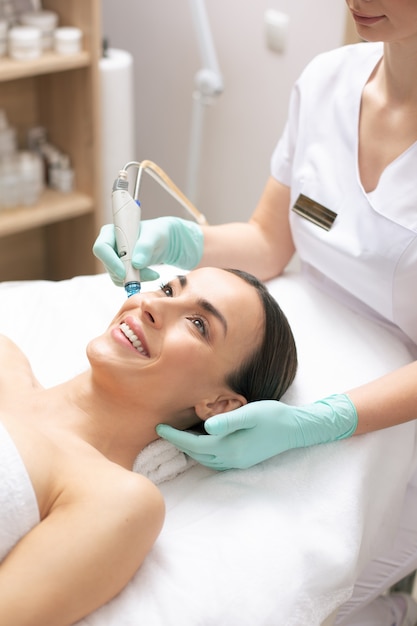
{"x":161,"y":461}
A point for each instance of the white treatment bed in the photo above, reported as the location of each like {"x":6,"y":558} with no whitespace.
{"x":276,"y":545}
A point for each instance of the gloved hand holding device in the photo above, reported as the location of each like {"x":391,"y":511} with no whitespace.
{"x":170,"y":240}
{"x":260,"y":430}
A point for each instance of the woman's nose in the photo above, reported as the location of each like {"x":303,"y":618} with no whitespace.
{"x":156,"y":311}
{"x":149,"y":310}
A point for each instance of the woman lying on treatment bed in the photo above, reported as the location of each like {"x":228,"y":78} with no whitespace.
{"x":76,"y":523}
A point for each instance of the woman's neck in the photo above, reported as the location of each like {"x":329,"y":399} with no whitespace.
{"x":112,"y":424}
{"x":397,"y":73}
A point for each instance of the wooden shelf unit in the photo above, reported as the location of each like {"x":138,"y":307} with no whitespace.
{"x":53,"y":239}
{"x":49,"y":62}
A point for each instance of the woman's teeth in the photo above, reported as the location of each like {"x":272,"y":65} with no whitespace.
{"x":126,"y":330}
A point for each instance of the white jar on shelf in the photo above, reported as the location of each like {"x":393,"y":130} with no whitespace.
{"x":67,"y":40}
{"x":25,"y":43}
{"x":45,"y":21}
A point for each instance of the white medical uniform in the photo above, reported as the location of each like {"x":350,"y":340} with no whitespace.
{"x":368,"y":258}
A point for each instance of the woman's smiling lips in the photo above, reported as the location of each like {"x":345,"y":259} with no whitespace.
{"x":133,"y":332}
{"x":366,"y":20}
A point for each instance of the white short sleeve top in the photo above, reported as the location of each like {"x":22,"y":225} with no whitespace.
{"x":369,"y":255}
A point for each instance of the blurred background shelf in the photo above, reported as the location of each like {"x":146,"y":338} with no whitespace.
{"x":11,"y":69}
{"x":53,"y":239}
{"x":53,"y":207}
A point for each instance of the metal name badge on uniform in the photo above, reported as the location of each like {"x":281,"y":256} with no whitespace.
{"x":314,"y":212}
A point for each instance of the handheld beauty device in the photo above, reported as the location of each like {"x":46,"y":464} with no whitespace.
{"x":127,"y":214}
{"x":126,"y":219}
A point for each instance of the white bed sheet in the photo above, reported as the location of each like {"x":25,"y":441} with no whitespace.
{"x":279,"y":544}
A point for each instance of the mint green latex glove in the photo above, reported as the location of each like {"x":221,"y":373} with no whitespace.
{"x":170,"y":240}
{"x":260,"y":430}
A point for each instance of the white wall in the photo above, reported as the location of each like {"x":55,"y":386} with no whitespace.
{"x":241,"y":129}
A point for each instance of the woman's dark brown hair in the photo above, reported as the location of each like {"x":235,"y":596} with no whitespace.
{"x":271,"y":368}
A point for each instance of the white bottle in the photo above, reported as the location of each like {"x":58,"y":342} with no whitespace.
{"x":30,"y":177}
{"x":3,"y":37}
{"x":8,"y":141}
{"x":64,"y":176}
{"x":9,"y":182}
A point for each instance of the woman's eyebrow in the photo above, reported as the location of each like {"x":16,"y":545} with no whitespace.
{"x":206,"y":305}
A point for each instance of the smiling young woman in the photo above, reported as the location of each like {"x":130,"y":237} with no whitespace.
{"x":203,"y":343}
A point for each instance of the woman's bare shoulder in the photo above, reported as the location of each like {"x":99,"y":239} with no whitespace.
{"x":117,"y":490}
{"x":17,"y":363}
{"x":134,"y":488}
{"x":11,"y":354}
{"x":10,"y":348}
{"x":123,"y":507}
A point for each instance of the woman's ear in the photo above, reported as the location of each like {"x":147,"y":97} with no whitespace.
{"x":222,"y":404}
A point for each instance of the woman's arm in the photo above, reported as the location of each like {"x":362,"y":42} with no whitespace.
{"x":81,"y":555}
{"x":387,"y":401}
{"x":263,"y":246}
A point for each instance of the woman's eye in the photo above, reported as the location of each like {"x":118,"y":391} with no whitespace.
{"x":167,"y":290}
{"x":200,"y":325}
